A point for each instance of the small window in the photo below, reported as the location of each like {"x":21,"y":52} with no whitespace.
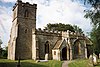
{"x":26,"y":30}
{"x":26,"y":13}
{"x":54,"y":52}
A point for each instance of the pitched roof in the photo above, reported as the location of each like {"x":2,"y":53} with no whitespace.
{"x":57,"y":44}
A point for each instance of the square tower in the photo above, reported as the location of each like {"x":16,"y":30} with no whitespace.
{"x":24,"y":22}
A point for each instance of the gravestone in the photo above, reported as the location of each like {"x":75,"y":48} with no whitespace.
{"x":93,"y":59}
{"x":99,"y":56}
{"x":46,"y":56}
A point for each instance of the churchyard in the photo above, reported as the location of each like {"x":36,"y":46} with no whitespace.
{"x":29,"y":63}
{"x":50,"y":63}
{"x":83,"y":63}
{"x":27,"y":42}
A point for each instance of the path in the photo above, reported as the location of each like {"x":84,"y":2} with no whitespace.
{"x":65,"y":63}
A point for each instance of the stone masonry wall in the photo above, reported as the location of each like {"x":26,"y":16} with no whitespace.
{"x":43,"y":37}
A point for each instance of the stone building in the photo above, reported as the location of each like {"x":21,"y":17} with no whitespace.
{"x":27,"y":42}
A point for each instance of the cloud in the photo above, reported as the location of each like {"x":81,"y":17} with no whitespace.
{"x":48,"y":11}
{"x":5,"y":23}
{"x":62,"y":11}
{"x":8,"y":0}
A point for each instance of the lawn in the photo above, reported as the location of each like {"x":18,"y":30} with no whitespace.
{"x":30,"y":63}
{"x":82,"y":63}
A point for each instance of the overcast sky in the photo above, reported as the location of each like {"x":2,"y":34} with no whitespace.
{"x":48,"y":11}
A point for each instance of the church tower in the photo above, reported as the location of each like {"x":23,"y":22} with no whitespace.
{"x":23,"y":24}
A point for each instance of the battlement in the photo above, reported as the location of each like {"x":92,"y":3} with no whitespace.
{"x":20,"y":3}
{"x":72,"y":34}
{"x":60,"y":33}
{"x":48,"y":32}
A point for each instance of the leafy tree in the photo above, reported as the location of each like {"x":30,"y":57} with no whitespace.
{"x":77,"y":29}
{"x":95,"y":36}
{"x":63,"y":27}
{"x":4,"y":52}
{"x":93,"y":3}
{"x":59,"y":27}
{"x":94,"y":15}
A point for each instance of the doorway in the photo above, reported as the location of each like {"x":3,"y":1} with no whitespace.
{"x":64,"y":53}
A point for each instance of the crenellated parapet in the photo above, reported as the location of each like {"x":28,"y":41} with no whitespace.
{"x":66,"y":34}
{"x":39,"y":31}
{"x":70,"y":34}
{"x":20,"y":3}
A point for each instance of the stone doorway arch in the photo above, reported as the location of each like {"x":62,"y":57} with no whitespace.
{"x":64,"y":53}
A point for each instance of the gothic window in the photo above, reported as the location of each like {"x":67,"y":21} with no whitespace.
{"x":76,"y":49}
{"x":26,"y":14}
{"x":47,"y":47}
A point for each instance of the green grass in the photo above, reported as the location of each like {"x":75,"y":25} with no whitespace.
{"x":82,"y":63}
{"x":30,"y":63}
{"x":79,"y":63}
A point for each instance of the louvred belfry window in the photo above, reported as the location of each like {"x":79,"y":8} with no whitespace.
{"x":26,"y":13}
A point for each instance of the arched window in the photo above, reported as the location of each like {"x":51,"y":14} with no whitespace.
{"x":47,"y":47}
{"x":78,"y":49}
{"x":26,"y":14}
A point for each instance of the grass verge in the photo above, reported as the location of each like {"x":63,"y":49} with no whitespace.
{"x":82,"y":63}
{"x":30,"y":63}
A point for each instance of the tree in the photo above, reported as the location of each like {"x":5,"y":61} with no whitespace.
{"x":63,"y":27}
{"x":94,"y":15}
{"x":60,"y":27}
{"x":4,"y":52}
{"x":95,"y":36}
{"x":93,"y":3}
{"x":77,"y":29}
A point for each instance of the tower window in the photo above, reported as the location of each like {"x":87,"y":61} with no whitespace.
{"x":26,"y":30}
{"x":26,"y":13}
